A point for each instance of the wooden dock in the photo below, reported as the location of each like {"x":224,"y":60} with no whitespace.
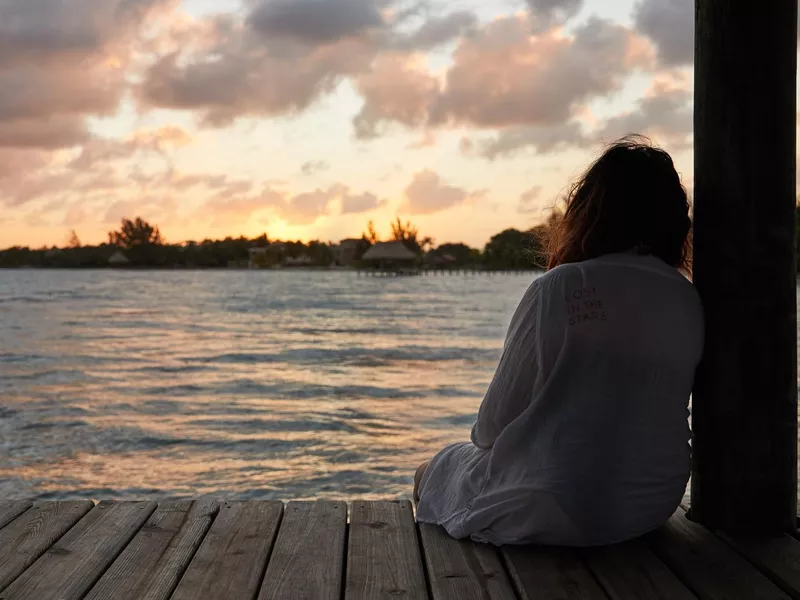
{"x":206,"y":550}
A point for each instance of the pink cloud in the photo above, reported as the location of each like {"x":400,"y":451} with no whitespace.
{"x":503,"y":75}
{"x":427,"y":194}
{"x":61,"y":62}
{"x":529,"y":200}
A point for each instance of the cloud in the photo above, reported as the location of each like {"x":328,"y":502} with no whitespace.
{"x":13,"y":163}
{"x":528,"y":201}
{"x":27,"y":175}
{"x":156,"y":209}
{"x":160,"y":142}
{"x":428,"y":194}
{"x":76,"y":214}
{"x":670,"y":24}
{"x":284,"y":55}
{"x":61,"y":62}
{"x":436,"y":31}
{"x":503,"y":76}
{"x":229,"y":70}
{"x":396,"y":89}
{"x":34,"y":92}
{"x":163,"y":138}
{"x":540,"y":138}
{"x":306,"y":208}
{"x":122,"y":170}
{"x":48,"y":132}
{"x":228,"y":208}
{"x":547,"y":13}
{"x":665,"y":113}
{"x":184,"y":181}
{"x":312,"y":167}
{"x":361,"y":203}
{"x":427,"y":140}
{"x":316,"y":21}
{"x":234,"y":189}
{"x":58,"y":31}
{"x":47,"y":106}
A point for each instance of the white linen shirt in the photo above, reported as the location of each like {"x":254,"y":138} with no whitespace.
{"x":582,"y":438}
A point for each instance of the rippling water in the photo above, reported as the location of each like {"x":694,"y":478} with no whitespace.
{"x":250,"y":384}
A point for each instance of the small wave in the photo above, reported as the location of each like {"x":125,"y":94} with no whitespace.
{"x":54,"y":425}
{"x":50,"y":296}
{"x":255,"y":426}
{"x":28,"y":359}
{"x":184,"y":389}
{"x":25,"y":300}
{"x":338,"y":331}
{"x":240,"y":357}
{"x":361,"y":355}
{"x":49,"y":376}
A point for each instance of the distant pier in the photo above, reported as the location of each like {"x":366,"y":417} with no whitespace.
{"x":442,"y":272}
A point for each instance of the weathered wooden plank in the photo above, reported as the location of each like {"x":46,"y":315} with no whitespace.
{"x":308,"y":557}
{"x":708,"y":566}
{"x":11,"y":509}
{"x":383,"y":559}
{"x":29,"y":536}
{"x":544,"y":573}
{"x":71,"y":567}
{"x":231,"y":560}
{"x":461,"y":569}
{"x":152,"y":564}
{"x":778,"y":557}
{"x":631,"y":571}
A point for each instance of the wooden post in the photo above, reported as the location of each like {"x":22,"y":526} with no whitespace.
{"x":745,"y":401}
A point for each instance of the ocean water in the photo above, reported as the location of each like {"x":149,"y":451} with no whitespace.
{"x":247,"y":384}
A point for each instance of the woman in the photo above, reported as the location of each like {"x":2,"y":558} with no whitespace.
{"x":582,"y":438}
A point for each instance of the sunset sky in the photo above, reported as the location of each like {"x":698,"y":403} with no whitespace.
{"x":305,"y":119}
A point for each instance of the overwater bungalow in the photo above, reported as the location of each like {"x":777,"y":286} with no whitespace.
{"x":118,"y":259}
{"x":390,"y":256}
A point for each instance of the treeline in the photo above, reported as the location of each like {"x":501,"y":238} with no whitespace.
{"x":139,"y":244}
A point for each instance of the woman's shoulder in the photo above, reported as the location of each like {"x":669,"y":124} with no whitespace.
{"x":628,"y":263}
{"x":625,"y":268}
{"x":558,"y":276}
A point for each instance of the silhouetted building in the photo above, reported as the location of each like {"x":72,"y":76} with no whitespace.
{"x":345,"y":252}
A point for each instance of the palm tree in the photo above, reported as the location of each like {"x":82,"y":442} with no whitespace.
{"x":135,"y":233}
{"x":409,"y":235}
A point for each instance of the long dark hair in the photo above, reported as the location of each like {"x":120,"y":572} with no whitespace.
{"x":631,"y":198}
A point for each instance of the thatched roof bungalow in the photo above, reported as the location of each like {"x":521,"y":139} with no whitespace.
{"x":118,"y":259}
{"x":389,"y":255}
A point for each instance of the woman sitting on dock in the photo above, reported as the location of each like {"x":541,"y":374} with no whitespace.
{"x":582,"y":438}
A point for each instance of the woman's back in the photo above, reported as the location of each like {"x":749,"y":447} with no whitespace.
{"x":606,"y":431}
{"x":582,"y":437}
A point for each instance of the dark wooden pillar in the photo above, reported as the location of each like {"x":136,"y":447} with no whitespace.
{"x":745,"y":402}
